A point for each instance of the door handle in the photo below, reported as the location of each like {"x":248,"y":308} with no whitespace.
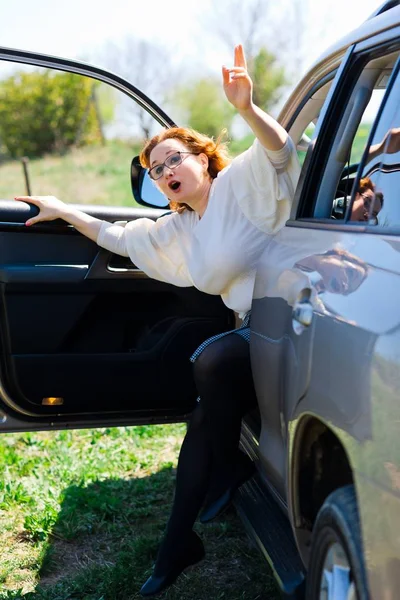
{"x":302,"y":316}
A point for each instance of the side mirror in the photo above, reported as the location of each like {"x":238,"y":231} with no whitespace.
{"x":143,"y":189}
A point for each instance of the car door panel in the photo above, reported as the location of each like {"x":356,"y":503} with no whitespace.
{"x":326,"y":368}
{"x":88,"y":327}
{"x":322,"y":266}
{"x":280,"y":357}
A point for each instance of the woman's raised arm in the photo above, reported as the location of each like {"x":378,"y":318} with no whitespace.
{"x":238,"y":88}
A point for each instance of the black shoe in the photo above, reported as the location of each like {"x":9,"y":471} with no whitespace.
{"x":214,"y":509}
{"x":191,"y":555}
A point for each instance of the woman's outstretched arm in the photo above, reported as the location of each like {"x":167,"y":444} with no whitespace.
{"x":50,"y":208}
{"x":238,"y":88}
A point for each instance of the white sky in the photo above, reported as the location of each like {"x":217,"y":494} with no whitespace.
{"x":74,"y":28}
{"x":79,"y":29}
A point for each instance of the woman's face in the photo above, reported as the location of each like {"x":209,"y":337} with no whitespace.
{"x":181,"y":181}
{"x":366,"y":206}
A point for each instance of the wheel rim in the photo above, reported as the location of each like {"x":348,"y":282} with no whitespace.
{"x":336,"y":583}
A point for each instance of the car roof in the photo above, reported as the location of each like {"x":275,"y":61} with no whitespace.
{"x":384,"y":18}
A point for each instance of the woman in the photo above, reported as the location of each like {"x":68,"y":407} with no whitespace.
{"x":224,"y":214}
{"x":367,"y":202}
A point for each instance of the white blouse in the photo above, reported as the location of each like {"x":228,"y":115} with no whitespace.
{"x":249,"y":201}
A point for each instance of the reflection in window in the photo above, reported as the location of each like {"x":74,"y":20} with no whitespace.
{"x":383,"y":171}
{"x":368,"y":202}
{"x":364,"y":129}
{"x":367,"y":199}
{"x":364,"y":206}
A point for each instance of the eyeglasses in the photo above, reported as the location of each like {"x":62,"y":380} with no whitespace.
{"x":367,"y":199}
{"x":173,"y":160}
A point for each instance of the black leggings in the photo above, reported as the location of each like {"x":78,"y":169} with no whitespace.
{"x":209,"y":451}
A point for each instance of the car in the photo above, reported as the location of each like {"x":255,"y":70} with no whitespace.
{"x":88,"y":340}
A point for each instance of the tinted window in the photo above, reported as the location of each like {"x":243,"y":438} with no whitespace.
{"x":345,"y":136}
{"x":380,"y":181}
{"x":363,"y":210}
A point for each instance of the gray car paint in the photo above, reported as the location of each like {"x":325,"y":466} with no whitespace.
{"x":342,"y":369}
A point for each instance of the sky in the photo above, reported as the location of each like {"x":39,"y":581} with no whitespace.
{"x":77,"y":27}
{"x":81,"y":29}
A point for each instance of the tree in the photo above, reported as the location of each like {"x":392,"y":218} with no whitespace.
{"x":268,"y":78}
{"x":147,"y":66}
{"x":291,"y":29}
{"x":251,"y":23}
{"x":47,"y":111}
{"x":204,"y":106}
{"x":234,"y":21}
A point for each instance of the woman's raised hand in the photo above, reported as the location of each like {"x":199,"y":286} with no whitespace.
{"x":393,"y":146}
{"x":238,"y":86}
{"x":49,"y":206}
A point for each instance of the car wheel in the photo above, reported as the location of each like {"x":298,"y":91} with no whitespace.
{"x":336,"y":570}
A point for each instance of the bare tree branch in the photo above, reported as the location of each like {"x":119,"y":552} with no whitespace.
{"x":288,"y":29}
{"x":147,"y":66}
{"x":235,"y":21}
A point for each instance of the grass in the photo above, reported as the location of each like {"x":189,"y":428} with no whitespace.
{"x":88,"y":175}
{"x":82,"y":512}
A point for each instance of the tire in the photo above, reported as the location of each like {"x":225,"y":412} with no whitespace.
{"x":336,"y":540}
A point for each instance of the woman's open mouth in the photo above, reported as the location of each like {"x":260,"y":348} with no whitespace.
{"x":174,"y":185}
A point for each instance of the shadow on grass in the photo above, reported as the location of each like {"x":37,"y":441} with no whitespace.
{"x":105,"y":541}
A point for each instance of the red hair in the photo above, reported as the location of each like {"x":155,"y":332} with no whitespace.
{"x":196,"y":142}
{"x":365,"y":184}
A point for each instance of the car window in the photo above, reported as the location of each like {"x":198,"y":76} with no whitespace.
{"x":377,"y":199}
{"x":380,"y":73}
{"x":302,"y":128}
{"x":364,"y":128}
{"x":67,"y":135}
{"x":355,"y":154}
{"x":345,"y":137}
{"x":304,"y":143}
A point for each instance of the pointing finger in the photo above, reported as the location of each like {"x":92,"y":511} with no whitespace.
{"x":240,"y":60}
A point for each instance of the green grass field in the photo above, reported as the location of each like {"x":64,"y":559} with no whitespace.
{"x":88,"y":175}
{"x":81,"y":514}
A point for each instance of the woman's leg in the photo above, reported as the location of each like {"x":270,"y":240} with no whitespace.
{"x":223,"y":378}
{"x":224,"y":382}
{"x":192,"y":482}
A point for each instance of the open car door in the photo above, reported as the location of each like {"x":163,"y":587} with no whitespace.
{"x":87,"y":339}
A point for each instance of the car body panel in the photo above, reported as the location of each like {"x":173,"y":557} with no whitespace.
{"x":342,"y":369}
